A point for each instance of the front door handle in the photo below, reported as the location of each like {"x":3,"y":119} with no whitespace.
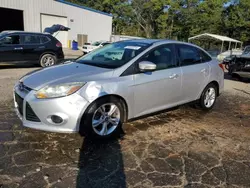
{"x":173,"y":76}
{"x":19,"y":48}
{"x":204,"y":70}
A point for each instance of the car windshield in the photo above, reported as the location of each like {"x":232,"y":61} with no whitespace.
{"x":113,"y":55}
{"x":247,"y":50}
{"x":96,"y":43}
{"x":2,"y":34}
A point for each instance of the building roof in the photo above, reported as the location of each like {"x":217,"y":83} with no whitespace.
{"x":85,"y":8}
{"x":218,"y":37}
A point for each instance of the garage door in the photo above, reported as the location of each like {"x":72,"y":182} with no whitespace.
{"x":14,"y":22}
{"x":49,"y":20}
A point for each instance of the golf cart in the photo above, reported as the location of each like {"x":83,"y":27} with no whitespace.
{"x":218,"y":46}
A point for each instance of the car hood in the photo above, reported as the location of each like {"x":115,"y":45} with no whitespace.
{"x":70,"y":72}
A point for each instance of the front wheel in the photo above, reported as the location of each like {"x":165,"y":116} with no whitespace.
{"x":208,"y":97}
{"x":103,"y":118}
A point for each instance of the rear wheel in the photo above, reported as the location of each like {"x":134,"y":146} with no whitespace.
{"x":48,"y":60}
{"x":208,"y":97}
{"x":103,"y":118}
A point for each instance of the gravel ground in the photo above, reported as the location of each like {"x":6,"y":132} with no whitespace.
{"x":182,"y":148}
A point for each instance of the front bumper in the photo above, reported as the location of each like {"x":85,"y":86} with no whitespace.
{"x":70,"y":109}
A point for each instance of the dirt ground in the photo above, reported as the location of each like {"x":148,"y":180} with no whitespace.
{"x":182,"y":148}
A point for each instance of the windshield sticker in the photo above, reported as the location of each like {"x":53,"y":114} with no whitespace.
{"x":133,"y":47}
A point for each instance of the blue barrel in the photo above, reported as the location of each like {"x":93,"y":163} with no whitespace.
{"x":74,"y":45}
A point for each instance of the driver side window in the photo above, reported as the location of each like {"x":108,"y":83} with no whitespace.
{"x":10,"y":40}
{"x":163,"y":56}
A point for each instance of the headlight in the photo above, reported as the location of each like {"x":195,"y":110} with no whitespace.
{"x":60,"y":90}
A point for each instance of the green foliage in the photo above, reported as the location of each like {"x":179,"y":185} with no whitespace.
{"x":183,"y":18}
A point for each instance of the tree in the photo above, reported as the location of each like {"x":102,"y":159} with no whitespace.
{"x":181,"y":20}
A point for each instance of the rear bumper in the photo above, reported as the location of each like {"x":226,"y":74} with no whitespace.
{"x":60,"y":55}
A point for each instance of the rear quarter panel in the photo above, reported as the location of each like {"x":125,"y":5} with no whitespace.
{"x":216,"y":74}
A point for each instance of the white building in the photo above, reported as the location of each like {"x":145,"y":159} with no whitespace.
{"x":35,"y":15}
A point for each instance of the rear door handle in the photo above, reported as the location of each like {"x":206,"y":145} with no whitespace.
{"x":19,"y":48}
{"x":173,"y":76}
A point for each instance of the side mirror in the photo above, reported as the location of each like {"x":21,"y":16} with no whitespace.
{"x":147,"y":66}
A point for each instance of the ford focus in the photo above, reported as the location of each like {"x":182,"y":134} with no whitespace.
{"x":98,"y":92}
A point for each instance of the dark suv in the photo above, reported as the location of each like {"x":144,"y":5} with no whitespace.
{"x":19,"y":46}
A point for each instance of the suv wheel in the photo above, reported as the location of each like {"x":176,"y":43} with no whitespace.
{"x":47,"y":60}
{"x":208,"y":97}
{"x":103,"y":118}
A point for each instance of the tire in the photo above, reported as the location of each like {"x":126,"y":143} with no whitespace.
{"x":205,"y":103}
{"x":237,"y":77}
{"x":93,"y":114}
{"x":48,"y":60}
{"x":231,"y":69}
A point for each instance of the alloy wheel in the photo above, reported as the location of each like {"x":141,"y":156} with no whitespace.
{"x":48,"y":61}
{"x":209,"y":97}
{"x":106,"y":119}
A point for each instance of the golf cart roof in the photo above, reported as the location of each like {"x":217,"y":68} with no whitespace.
{"x":218,"y":37}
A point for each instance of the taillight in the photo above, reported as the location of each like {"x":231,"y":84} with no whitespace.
{"x":221,"y":66}
{"x":58,"y":44}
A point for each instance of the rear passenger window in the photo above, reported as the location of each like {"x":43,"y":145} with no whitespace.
{"x":31,"y":39}
{"x":189,"y":55}
{"x":44,"y":39}
{"x":205,"y":57}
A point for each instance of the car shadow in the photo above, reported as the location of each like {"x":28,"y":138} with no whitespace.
{"x":18,"y":65}
{"x":100,"y":164}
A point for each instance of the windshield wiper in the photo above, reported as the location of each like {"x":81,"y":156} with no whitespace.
{"x":100,"y":65}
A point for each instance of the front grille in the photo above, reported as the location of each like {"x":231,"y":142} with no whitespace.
{"x":19,"y":101}
{"x":30,"y":114}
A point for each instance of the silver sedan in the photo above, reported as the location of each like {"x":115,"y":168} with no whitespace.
{"x":97,"y":92}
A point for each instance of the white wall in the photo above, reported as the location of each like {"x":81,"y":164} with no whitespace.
{"x":97,"y":26}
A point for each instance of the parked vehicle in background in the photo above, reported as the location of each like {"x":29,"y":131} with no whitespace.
{"x":97,"y":92}
{"x":214,"y":53}
{"x":239,"y":66}
{"x":233,"y":52}
{"x":116,"y":38}
{"x":90,"y":47}
{"x":37,"y":48}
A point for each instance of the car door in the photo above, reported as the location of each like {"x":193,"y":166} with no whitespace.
{"x":10,"y":48}
{"x":195,"y":72}
{"x":160,"y":89}
{"x":32,"y":47}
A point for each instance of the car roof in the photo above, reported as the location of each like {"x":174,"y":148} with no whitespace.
{"x":23,"y":32}
{"x":157,"y":41}
{"x":146,"y":41}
